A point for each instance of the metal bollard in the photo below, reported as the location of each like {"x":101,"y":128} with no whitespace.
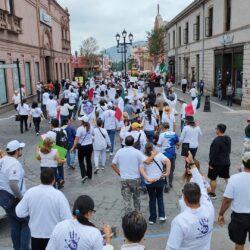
{"x":207,"y":107}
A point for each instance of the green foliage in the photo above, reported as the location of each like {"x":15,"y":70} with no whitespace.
{"x":156,"y":46}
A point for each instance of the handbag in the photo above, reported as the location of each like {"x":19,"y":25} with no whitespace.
{"x":166,"y":182}
{"x":18,"y":118}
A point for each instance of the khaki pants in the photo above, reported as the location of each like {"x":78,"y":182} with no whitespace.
{"x":130,"y":189}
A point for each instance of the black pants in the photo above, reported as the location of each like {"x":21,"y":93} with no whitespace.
{"x":85,"y":152}
{"x":44,"y":110}
{"x":229,"y":100}
{"x":184,"y":87}
{"x":36,"y":121}
{"x":23,"y":119}
{"x":171,"y":175}
{"x":39,"y":244}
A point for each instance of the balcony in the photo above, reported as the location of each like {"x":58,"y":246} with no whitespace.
{"x":3,"y":19}
{"x":10,"y":22}
{"x":65,"y":44}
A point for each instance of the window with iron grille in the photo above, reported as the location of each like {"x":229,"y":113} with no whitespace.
{"x":186,"y":34}
{"x":209,"y":23}
{"x":197,"y":29}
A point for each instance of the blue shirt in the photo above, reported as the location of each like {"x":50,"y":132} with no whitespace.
{"x":168,"y":140}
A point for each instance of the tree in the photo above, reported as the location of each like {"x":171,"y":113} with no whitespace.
{"x":156,"y":46}
{"x":88,"y":49}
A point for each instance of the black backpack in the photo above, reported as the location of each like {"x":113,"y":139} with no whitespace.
{"x":137,"y":144}
{"x":61,"y":138}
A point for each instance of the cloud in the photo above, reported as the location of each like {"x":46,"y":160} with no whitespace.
{"x":103,"y":19}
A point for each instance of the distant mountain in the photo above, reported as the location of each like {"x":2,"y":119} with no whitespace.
{"x":117,"y":57}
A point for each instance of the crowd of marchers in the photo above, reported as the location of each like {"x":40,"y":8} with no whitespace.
{"x":143,"y":123}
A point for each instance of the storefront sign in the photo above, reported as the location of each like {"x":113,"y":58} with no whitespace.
{"x":45,"y":18}
{"x":227,"y":39}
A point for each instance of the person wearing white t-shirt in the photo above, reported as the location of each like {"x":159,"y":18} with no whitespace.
{"x":64,"y":109}
{"x":192,"y":228}
{"x":184,"y":85}
{"x":101,"y":141}
{"x":110,"y":124}
{"x":12,"y":185}
{"x":51,"y":108}
{"x":168,"y":117}
{"x":182,"y":112}
{"x":190,"y":134}
{"x":84,"y":140}
{"x":45,"y":206}
{"x":237,"y":195}
{"x":154,"y":175}
{"x":150,"y":125}
{"x":193,"y":92}
{"x":36,"y":114}
{"x":16,"y":99}
{"x":129,"y":173}
{"x":23,"y":110}
{"x":79,"y":233}
{"x":45,"y":99}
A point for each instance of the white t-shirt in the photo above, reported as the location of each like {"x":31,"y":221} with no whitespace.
{"x":183,"y":81}
{"x":238,"y":189}
{"x":36,"y":112}
{"x":16,"y":99}
{"x":110,"y":122}
{"x":170,"y":119}
{"x":135,"y":134}
{"x":129,"y":170}
{"x":70,"y":234}
{"x":66,"y":93}
{"x":191,"y":135}
{"x":52,"y":133}
{"x":45,"y":98}
{"x":101,"y":139}
{"x":23,"y":110}
{"x":193,"y":92}
{"x":11,"y":169}
{"x":183,"y":112}
{"x":85,"y":138}
{"x":72,"y":97}
{"x":48,"y":160}
{"x":46,"y":207}
{"x":192,"y":228}
{"x":52,"y":107}
{"x":149,"y":126}
{"x":64,"y":110}
{"x":152,"y":170}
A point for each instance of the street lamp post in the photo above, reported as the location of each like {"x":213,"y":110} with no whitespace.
{"x":124,"y":44}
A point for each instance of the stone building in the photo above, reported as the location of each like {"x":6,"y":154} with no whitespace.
{"x":37,"y":33}
{"x":210,"y":40}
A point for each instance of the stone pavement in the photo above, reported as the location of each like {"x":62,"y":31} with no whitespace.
{"x":104,"y":188}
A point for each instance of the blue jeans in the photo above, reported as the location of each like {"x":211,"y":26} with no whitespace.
{"x":155,"y":193}
{"x":60,"y":173}
{"x":150,"y":135}
{"x":111,"y":133}
{"x":71,"y":158}
{"x":20,"y":232}
{"x":62,"y":117}
{"x":143,"y":184}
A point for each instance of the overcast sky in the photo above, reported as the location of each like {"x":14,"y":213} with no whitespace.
{"x":102,"y":19}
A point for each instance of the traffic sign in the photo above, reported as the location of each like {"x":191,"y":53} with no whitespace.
{"x":8,"y":66}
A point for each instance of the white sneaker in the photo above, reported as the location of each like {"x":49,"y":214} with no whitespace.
{"x":84,"y":179}
{"x":163,"y":218}
{"x":151,"y":222}
{"x":111,"y":154}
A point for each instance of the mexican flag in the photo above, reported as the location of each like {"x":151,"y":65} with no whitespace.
{"x":191,"y":107}
{"x":163,"y":68}
{"x":156,"y":72}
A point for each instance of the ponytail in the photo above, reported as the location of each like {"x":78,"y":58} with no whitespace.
{"x":84,"y":221}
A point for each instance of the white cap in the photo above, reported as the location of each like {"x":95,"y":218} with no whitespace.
{"x":14,"y":145}
{"x":110,"y":104}
{"x":83,"y":118}
{"x":246,"y":156}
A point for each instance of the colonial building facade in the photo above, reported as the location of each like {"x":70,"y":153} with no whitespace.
{"x":210,"y":40}
{"x":37,"y":33}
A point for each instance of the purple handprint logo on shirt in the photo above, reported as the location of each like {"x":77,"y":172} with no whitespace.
{"x":72,"y":243}
{"x":203,"y":228}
